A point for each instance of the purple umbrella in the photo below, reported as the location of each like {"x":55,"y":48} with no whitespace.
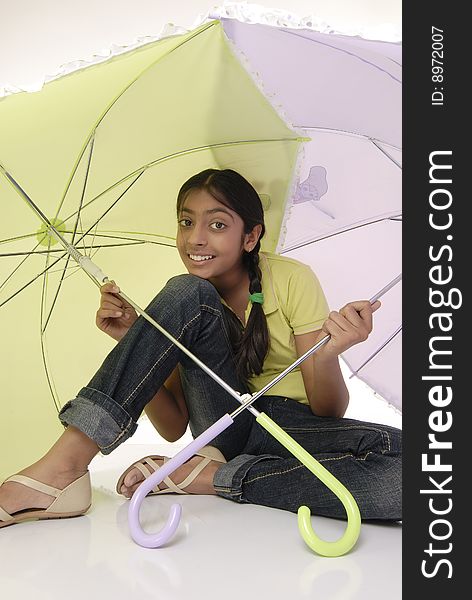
{"x":344,"y":217}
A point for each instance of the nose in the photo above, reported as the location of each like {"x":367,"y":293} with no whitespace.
{"x":197,"y":236}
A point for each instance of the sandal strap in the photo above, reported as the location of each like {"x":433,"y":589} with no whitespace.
{"x":4,"y":516}
{"x":167,"y":480}
{"x":35,"y":485}
{"x":196,"y":471}
{"x":208,"y":453}
{"x":154,"y":467}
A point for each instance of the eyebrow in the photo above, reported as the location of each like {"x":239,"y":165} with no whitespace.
{"x":209,"y":211}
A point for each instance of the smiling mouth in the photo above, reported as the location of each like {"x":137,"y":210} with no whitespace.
{"x":200,"y":258}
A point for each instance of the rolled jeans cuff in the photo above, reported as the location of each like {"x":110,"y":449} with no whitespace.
{"x":228,"y":479}
{"x":98,"y":416}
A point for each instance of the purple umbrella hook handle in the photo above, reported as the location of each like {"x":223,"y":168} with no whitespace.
{"x":155,"y":540}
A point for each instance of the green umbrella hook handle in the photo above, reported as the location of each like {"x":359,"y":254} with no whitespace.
{"x":351,"y":533}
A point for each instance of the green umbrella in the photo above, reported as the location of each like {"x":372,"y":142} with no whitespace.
{"x":102,"y":152}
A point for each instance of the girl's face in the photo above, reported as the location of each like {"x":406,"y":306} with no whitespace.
{"x":211,"y":239}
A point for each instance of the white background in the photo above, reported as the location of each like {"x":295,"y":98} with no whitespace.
{"x":37,"y":37}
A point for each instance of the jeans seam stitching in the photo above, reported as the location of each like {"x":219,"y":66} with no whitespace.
{"x":274,"y":473}
{"x":300,"y":466}
{"x":349,"y":455}
{"x":211,"y":309}
{"x":216,"y":312}
{"x":385,"y":435}
{"x":345,"y":428}
{"x":159,"y":360}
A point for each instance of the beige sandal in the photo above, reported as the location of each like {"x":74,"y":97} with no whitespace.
{"x":73,"y":501}
{"x":208,"y":453}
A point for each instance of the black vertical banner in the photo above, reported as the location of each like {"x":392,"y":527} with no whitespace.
{"x":436,"y":350}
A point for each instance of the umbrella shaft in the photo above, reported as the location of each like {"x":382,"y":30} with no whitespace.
{"x":202,"y":365}
{"x":385,"y":289}
{"x":247,"y":403}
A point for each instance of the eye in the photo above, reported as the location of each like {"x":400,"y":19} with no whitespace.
{"x":218,"y":225}
{"x":185,"y":222}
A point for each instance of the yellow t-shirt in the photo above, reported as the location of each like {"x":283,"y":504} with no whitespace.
{"x":294,"y":303}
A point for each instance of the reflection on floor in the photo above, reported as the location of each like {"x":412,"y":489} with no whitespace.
{"x":221,"y":550}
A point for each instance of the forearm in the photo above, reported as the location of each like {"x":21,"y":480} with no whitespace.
{"x":166,"y":415}
{"x":330,"y":396}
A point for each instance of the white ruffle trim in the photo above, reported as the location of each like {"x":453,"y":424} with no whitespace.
{"x":241,"y":11}
{"x":255,"y":13}
{"x":102,"y":55}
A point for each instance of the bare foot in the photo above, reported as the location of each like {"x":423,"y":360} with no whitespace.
{"x":202,"y":484}
{"x":15,"y":496}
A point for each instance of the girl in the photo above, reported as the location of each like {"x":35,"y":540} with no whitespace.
{"x":247,"y":315}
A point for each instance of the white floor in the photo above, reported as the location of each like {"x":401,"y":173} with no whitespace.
{"x":221,"y":550}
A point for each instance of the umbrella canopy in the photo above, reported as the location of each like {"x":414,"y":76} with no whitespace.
{"x":345,"y":215}
{"x":103,"y":152}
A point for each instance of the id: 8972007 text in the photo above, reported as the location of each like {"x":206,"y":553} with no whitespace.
{"x":437,"y":66}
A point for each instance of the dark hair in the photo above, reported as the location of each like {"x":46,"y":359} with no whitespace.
{"x":250,"y":344}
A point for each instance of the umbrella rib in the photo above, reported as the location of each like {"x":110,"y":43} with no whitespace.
{"x":146,"y":241}
{"x":17,"y":238}
{"x":84,"y":187}
{"x":170,"y":244}
{"x":26,"y":254}
{"x":385,"y":153}
{"x":153,"y":163}
{"x":136,"y":243}
{"x":63,"y":275}
{"x":182,"y":43}
{"x":15,"y":269}
{"x":343,"y":50}
{"x":43,"y":346}
{"x":347,"y":132}
{"x":64,"y":269}
{"x":111,"y":206}
{"x":109,"y":107}
{"x":374,"y":354}
{"x":338,"y":232}
{"x":32,"y":280}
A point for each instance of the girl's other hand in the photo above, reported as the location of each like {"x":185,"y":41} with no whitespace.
{"x":350,"y":326}
{"x":114,"y":316}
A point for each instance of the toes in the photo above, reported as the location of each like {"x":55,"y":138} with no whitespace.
{"x":131,"y":482}
{"x":134,"y":477}
{"x":125,"y":491}
{"x":130,"y":479}
{"x":128,"y":491}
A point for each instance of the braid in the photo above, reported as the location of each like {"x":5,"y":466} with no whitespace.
{"x":254,"y":343}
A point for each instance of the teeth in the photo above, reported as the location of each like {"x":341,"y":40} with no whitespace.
{"x":199,"y":258}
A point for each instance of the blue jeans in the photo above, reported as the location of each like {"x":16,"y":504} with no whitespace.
{"x":365,"y":457}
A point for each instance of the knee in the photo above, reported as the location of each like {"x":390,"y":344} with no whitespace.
{"x":185,"y":285}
